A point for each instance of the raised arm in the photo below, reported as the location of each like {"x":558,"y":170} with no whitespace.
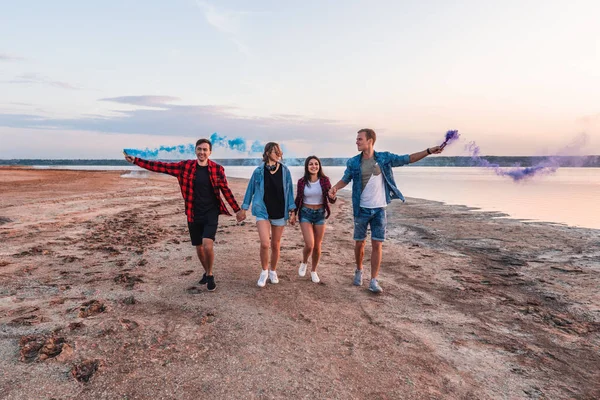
{"x":156,"y":166}
{"x":414,"y":157}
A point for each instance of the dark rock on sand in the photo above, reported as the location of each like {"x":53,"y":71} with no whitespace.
{"x":38,"y":347}
{"x":90,"y":308}
{"x":84,"y":371}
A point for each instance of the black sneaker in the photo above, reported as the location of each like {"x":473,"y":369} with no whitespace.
{"x":211,"y":285}
{"x":204,"y":279}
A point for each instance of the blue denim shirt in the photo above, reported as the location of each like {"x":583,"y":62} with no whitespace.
{"x":255,"y":192}
{"x":386,"y":161}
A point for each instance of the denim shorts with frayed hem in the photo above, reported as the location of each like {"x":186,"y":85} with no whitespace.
{"x":373,"y":217}
{"x":315,"y":217}
{"x":274,"y":222}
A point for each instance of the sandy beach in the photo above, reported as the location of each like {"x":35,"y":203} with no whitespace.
{"x":99,"y":300}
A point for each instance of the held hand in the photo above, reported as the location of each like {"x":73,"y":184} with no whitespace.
{"x":332,"y":192}
{"x":129,"y":158}
{"x":240,"y":215}
{"x":436,"y":149}
{"x":293,"y":218}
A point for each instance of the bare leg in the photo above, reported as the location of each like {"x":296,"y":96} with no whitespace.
{"x":319,"y":232}
{"x":209,"y":255}
{"x":200,"y":253}
{"x":264,"y":232}
{"x":359,"y":253}
{"x":309,"y":240}
{"x":276,"y":233}
{"x":376,"y":257}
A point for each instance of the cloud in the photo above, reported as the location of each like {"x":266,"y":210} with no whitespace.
{"x":42,"y":80}
{"x":228,"y":22}
{"x":225,"y":21}
{"x":8,"y":57}
{"x":187,"y":120}
{"x":146,"y":101}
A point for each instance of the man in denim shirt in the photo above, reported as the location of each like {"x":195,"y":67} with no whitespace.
{"x":373,"y":189}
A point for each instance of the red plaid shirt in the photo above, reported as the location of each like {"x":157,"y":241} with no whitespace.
{"x":325,"y":186}
{"x":185,"y":172}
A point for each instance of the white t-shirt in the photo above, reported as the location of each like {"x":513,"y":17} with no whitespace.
{"x":313,"y":194}
{"x":373,"y":195}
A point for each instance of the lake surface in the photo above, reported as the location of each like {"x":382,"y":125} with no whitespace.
{"x":570,"y":196}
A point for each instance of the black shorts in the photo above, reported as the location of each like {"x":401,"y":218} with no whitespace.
{"x":203,"y":227}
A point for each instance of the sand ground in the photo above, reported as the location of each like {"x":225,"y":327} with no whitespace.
{"x":99,"y":300}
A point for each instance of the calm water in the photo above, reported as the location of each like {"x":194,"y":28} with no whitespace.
{"x":570,"y":196}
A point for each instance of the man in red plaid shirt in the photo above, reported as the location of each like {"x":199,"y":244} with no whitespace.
{"x":202,"y":181}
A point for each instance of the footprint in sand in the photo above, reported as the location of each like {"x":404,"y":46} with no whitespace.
{"x":194,"y":290}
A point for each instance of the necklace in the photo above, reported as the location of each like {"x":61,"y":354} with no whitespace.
{"x":271,"y":167}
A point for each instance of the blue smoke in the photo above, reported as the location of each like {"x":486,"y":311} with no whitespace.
{"x":180,"y":150}
{"x":237,"y":144}
{"x":257,"y":147}
{"x":217,"y":140}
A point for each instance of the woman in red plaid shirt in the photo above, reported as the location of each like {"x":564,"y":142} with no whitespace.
{"x":202,"y":181}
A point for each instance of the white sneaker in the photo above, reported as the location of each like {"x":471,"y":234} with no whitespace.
{"x":302,"y":269}
{"x":314,"y":277}
{"x":273,"y":277}
{"x":262,"y":280}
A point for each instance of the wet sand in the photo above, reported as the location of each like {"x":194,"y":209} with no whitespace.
{"x":99,"y":300}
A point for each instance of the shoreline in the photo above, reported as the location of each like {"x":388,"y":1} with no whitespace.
{"x":489,"y":212}
{"x":473,"y":306}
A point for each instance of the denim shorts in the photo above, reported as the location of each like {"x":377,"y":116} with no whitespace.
{"x":274,"y":222}
{"x":376,"y":218}
{"x":315,"y":217}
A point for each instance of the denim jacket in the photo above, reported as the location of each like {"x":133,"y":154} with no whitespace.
{"x":386,"y":161}
{"x":255,"y":192}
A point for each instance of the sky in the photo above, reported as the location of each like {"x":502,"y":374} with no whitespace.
{"x":83,"y":79}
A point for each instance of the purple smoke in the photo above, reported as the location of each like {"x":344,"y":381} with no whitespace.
{"x":517,"y":173}
{"x":451,"y":136}
{"x":545,"y":167}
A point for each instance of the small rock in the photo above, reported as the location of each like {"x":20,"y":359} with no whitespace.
{"x":129,"y":324}
{"x":66,"y":353}
{"x":30,"y":347}
{"x":52,"y":347}
{"x":84,"y":371}
{"x":129,"y":300}
{"x":90,"y":308}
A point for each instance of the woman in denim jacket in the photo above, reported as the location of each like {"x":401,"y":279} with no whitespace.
{"x":271,"y":193}
{"x":312,"y":203}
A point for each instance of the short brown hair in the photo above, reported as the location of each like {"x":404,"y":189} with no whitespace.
{"x":369,"y":134}
{"x":200,"y":141}
{"x":268,"y":148}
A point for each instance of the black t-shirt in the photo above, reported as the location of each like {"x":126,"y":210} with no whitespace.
{"x":205,"y":201}
{"x":273,"y":197}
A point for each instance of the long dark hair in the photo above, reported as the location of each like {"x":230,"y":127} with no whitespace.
{"x":320,"y":173}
